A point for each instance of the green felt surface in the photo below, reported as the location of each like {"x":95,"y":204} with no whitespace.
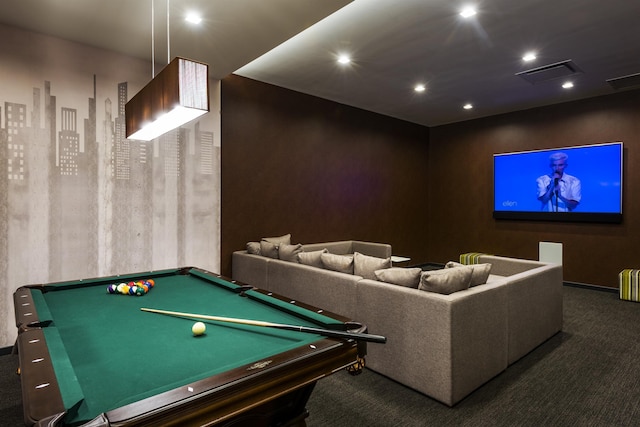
{"x":120,"y":354}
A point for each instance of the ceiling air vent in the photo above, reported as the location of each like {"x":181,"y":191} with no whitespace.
{"x":558,"y":70}
{"x":625,"y":82}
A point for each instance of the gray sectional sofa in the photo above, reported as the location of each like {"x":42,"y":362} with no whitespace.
{"x":443,"y":345}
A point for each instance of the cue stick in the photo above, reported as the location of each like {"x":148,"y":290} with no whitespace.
{"x":319,"y":331}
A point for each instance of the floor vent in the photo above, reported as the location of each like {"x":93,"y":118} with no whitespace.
{"x":625,"y":82}
{"x":545,"y":73}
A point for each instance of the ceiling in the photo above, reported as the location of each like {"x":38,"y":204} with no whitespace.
{"x":394,"y":45}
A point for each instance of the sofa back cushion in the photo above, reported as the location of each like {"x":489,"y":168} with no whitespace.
{"x":345,"y":247}
{"x":446,"y":281}
{"x":480,"y":273}
{"x":269,"y":249}
{"x":379,"y":250}
{"x":339,"y":248}
{"x":409,"y":277}
{"x":340,"y":263}
{"x":279,"y":239}
{"x":312,"y":258}
{"x":366,"y":266}
{"x":289,"y":252}
{"x":253,"y":248}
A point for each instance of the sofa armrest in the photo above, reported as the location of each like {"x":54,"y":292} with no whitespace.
{"x":445,"y":346}
{"x":505,"y":266}
{"x":535,"y":308}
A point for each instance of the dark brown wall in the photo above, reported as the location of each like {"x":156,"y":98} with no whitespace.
{"x":296,"y":164}
{"x":460,"y":165}
{"x":322,"y":171}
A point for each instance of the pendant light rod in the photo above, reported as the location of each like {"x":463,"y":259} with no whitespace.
{"x":168,"y":38}
{"x":153,"y":44}
{"x":176,"y":96}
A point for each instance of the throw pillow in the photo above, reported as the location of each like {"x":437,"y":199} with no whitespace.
{"x":277,"y":240}
{"x":253,"y":248}
{"x":452,"y":264}
{"x":365,"y":265}
{"x":289,"y":252}
{"x":409,"y":277}
{"x":446,"y":281}
{"x":480,"y":273}
{"x":341,"y":263}
{"x":312,"y":258}
{"x":269,"y":249}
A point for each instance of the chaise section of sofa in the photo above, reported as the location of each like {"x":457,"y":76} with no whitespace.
{"x":331,"y":290}
{"x":249,"y":268}
{"x":253,"y":269}
{"x":444,"y":346}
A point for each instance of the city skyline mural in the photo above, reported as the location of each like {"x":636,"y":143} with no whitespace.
{"x":79,"y":200}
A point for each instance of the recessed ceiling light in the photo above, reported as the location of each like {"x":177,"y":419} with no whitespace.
{"x":567,"y":85}
{"x":420,"y":88}
{"x":193,"y":18}
{"x":468,"y":12}
{"x":467,"y":106}
{"x":344,"y":59}
{"x":529,"y":56}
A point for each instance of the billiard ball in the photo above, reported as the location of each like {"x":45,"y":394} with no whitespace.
{"x":198,"y":328}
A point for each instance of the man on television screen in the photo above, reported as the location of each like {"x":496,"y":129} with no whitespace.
{"x":559,"y":191}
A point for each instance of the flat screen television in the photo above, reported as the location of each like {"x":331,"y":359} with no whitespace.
{"x":582,"y":183}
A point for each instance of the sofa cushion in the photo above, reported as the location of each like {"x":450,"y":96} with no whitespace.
{"x":446,"y":281}
{"x":253,"y":248}
{"x":409,"y":277}
{"x":312,"y":258}
{"x":480,"y":273}
{"x":289,"y":252}
{"x":365,"y":265}
{"x":268,"y":249}
{"x":341,"y":263}
{"x":277,"y":240}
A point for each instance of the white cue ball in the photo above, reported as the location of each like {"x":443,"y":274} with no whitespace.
{"x":198,"y":328}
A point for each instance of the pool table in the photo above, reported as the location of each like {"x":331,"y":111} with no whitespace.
{"x":88,"y":357}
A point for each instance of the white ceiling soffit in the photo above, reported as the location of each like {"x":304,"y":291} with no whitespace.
{"x":394,"y":46}
{"x":232,"y":33}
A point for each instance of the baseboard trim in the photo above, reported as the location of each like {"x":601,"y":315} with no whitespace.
{"x":5,"y":350}
{"x":592,"y":287}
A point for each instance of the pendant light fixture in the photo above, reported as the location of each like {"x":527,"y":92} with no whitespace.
{"x":176,"y":96}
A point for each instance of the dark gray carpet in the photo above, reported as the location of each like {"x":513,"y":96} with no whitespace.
{"x":587,"y":375}
{"x":10,"y":395}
